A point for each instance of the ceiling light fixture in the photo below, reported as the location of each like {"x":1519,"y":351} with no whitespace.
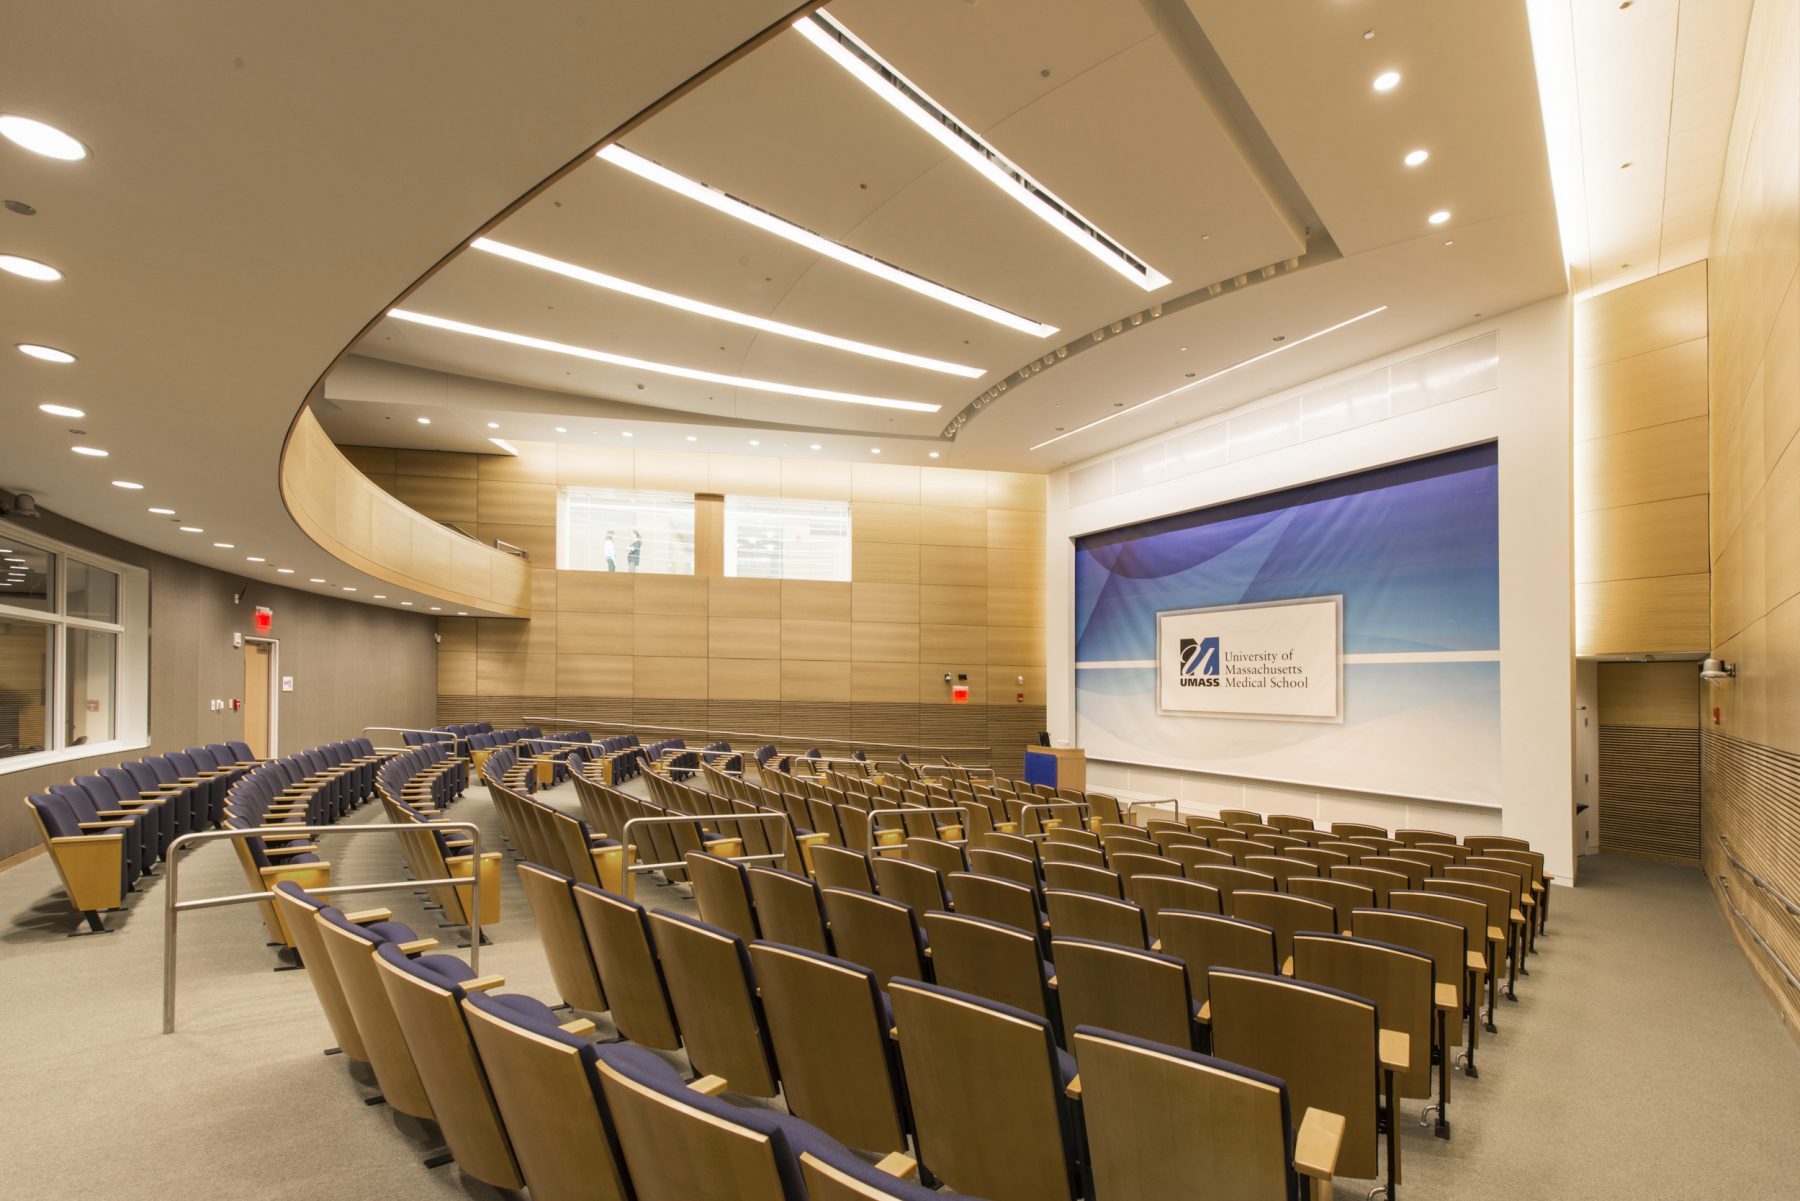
{"x":911,"y":102}
{"x":284,"y":571}
{"x":1223,"y":371}
{"x":711,"y":377}
{"x":29,"y":268}
{"x":493,"y":425}
{"x":40,"y":138}
{"x":437,"y":608}
{"x":874,"y":450}
{"x":379,"y":596}
{"x":1439,"y":217}
{"x":315,"y":580}
{"x":226,"y":545}
{"x":92,"y":452}
{"x":1387,"y":81}
{"x":163,"y":512}
{"x":731,"y":206}
{"x":1415,"y":157}
{"x":48,"y":354}
{"x":625,"y":433}
{"x":693,"y":438}
{"x":933,"y":455}
{"x":62,"y":411}
{"x":423,"y":420}
{"x":254,"y":559}
{"x":128,"y":485}
{"x":192,"y":529}
{"x":816,"y":446}
{"x":506,"y":446}
{"x":754,"y":442}
{"x":702,"y":309}
{"x":406,"y":604}
{"x":562,"y":429}
{"x":348,"y":588}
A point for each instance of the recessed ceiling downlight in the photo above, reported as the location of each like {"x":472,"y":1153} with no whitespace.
{"x":1439,"y":217}
{"x":26,"y":268}
{"x":92,"y":452}
{"x":1415,"y":157}
{"x":48,"y":354}
{"x":1387,"y":81}
{"x":62,"y":411}
{"x":128,"y":485}
{"x":40,"y":138}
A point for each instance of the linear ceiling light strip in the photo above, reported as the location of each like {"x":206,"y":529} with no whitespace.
{"x":880,"y":77}
{"x":701,"y":308}
{"x":731,"y":206}
{"x":619,"y":360}
{"x":1207,"y":379}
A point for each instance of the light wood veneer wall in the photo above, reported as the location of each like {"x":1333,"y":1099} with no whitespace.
{"x":947,"y":575}
{"x":1751,"y":777}
{"x":1641,"y":564}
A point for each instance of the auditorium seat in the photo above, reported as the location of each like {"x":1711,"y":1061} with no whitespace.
{"x":1343,"y":896}
{"x":1214,"y":1129}
{"x":713,"y":994}
{"x":618,"y":936}
{"x":987,"y":959}
{"x":991,"y":1117}
{"x":828,"y":1024}
{"x":1204,"y":941}
{"x":1399,"y":980}
{"x":1100,"y":919}
{"x":911,"y":883}
{"x":722,"y":893}
{"x":879,"y":934}
{"x":1286,"y":915}
{"x":1446,"y":945}
{"x":551,"y":898}
{"x":1229,"y":878}
{"x":789,"y":909}
{"x":999,"y":900}
{"x":93,"y":862}
{"x":1082,"y":877}
{"x":1132,"y":991}
{"x":1154,"y":894}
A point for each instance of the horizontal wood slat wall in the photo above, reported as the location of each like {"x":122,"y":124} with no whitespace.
{"x":947,"y":577}
{"x":1753,"y":373}
{"x":1641,"y":562}
{"x":1650,"y":792}
{"x":1753,"y":800}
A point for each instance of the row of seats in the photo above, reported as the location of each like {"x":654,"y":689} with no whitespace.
{"x":416,"y":789}
{"x":525,"y":1099}
{"x":981,"y":1091}
{"x":545,"y":834}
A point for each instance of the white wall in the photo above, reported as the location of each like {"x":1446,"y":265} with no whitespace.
{"x":1529,"y":415}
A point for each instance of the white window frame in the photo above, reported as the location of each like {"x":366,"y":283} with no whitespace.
{"x":131,"y":669}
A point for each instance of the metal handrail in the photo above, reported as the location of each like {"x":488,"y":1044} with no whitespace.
{"x":635,"y":727}
{"x":436,"y":735}
{"x":905,"y":811}
{"x":512,"y":548}
{"x":1087,"y":813}
{"x":174,"y":905}
{"x":1786,"y":903}
{"x":1780,"y":964}
{"x":698,"y":820}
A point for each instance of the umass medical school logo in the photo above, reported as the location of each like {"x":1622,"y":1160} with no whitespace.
{"x":1199,"y":663}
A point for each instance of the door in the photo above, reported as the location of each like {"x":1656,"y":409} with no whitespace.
{"x":259,"y":697}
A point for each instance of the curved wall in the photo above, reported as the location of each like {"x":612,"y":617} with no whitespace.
{"x":348,"y":515}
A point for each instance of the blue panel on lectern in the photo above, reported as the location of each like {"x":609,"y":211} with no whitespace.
{"x":1040,"y":768}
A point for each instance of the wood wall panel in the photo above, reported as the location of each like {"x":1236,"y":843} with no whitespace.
{"x":1658,"y":695}
{"x":811,"y":658}
{"x":1642,"y":467}
{"x":1751,"y":775}
{"x":1650,"y":792}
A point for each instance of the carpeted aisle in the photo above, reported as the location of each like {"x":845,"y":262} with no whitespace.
{"x":1641,"y":1060}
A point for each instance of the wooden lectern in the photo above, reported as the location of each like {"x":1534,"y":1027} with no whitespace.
{"x":1056,"y":766}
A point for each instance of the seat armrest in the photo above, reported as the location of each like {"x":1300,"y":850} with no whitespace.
{"x":292,"y":848}
{"x":709,"y":1086}
{"x":105,"y":825}
{"x":1316,"y":1146}
{"x":483,"y":983}
{"x":580,"y":1027}
{"x":899,"y":1165}
{"x":1072,"y":1090}
{"x":1396,"y":1052}
{"x":366,"y":917}
{"x":417,"y":946}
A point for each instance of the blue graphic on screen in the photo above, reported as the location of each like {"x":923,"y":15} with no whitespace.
{"x":1412,"y":548}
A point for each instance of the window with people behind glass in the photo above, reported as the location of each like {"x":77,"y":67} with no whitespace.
{"x":764,"y":537}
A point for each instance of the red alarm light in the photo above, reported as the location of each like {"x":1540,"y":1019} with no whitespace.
{"x":959,"y":694}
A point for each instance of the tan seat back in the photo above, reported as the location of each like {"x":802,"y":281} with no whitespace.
{"x":1100,"y":919}
{"x":1285,"y":914}
{"x":618,"y":939}
{"x":1400,"y":982}
{"x":1228,"y":879}
{"x":431,"y":1018}
{"x":841,"y":867}
{"x":826,"y":1024}
{"x":722,"y":894}
{"x":997,"y":900}
{"x":1281,"y":867}
{"x":1130,"y":991}
{"x":1128,"y":844}
{"x":297,"y":916}
{"x":714,"y":997}
{"x":1241,"y":849}
{"x":946,"y":857}
{"x":353,"y":960}
{"x":1212,"y":1132}
{"x":1287,"y":823}
{"x":1322,"y":859}
{"x":1445,"y":943}
{"x":986,"y":1096}
{"x":1157,"y":893}
{"x":1082,"y":877}
{"x":1358,"y":830}
{"x":879,"y":934}
{"x":1191,"y":857}
{"x":552,"y":905}
{"x":1322,"y":1044}
{"x":996,"y":962}
{"x":1355,"y":852}
{"x":917,"y":885}
{"x":1004,"y":865}
{"x":1205,"y":941}
{"x":788,"y":909}
{"x":1341,"y":895}
{"x":1068,"y":852}
{"x":1130,"y":865}
{"x":541,"y":1086}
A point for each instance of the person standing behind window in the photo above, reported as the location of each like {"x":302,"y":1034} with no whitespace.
{"x":610,"y":553}
{"x":636,"y":552}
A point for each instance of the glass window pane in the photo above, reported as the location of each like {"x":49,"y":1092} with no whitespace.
{"x":93,"y":592}
{"x":772,"y":539}
{"x":24,"y":687}
{"x":93,"y":660}
{"x":616,"y":529}
{"x":26,"y":575}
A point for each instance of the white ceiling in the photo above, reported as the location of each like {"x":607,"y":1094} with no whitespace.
{"x":1656,"y":83}
{"x":263,"y":180}
{"x":1209,"y":137}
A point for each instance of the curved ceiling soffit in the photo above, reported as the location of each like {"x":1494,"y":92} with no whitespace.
{"x":317,"y":392}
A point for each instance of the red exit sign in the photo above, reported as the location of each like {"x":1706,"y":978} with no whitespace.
{"x":265,"y":619}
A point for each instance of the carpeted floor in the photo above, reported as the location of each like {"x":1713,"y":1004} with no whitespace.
{"x":1641,"y":1060}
